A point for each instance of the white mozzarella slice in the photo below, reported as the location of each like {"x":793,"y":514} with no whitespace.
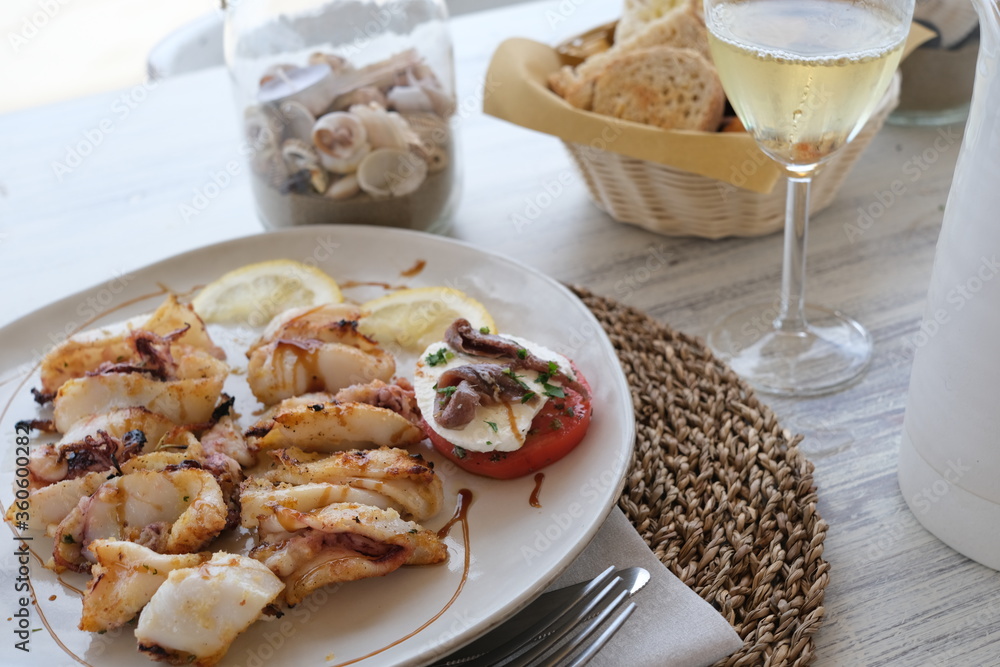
{"x":495,"y":428}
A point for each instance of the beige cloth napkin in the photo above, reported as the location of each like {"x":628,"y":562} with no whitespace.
{"x":671,"y":626}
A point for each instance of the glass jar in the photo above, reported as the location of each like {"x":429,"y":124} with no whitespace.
{"x":347,"y":108}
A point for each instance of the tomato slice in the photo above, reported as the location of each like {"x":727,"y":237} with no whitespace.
{"x":554,"y":432}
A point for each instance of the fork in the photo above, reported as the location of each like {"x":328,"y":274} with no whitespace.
{"x":569,"y":634}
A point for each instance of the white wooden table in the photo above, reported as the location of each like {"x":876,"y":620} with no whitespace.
{"x":897,"y":596}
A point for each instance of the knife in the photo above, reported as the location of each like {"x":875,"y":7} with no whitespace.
{"x":529,"y":624}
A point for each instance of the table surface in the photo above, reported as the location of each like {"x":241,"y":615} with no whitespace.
{"x":897,"y":596}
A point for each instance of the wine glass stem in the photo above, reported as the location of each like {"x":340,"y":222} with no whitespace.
{"x":793,"y":273}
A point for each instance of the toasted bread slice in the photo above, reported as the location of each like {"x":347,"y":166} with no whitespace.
{"x":663,"y":86}
{"x":638,"y":13}
{"x":681,"y":28}
{"x":575,"y":88}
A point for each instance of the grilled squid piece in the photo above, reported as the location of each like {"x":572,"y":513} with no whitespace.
{"x":398,"y":397}
{"x":169,"y":511}
{"x":49,"y":505}
{"x":405,"y":479}
{"x":343,"y":542}
{"x":303,"y":400}
{"x":49,"y":464}
{"x":259,"y":498}
{"x":226,"y":438}
{"x":332,"y":427}
{"x":314,"y":349}
{"x":329,"y":323}
{"x":183,"y":384}
{"x":173,"y":316}
{"x":186,"y":451}
{"x":118,"y":422}
{"x":124,"y":579}
{"x":81,"y":354}
{"x":89,"y":444}
{"x":195,"y":615}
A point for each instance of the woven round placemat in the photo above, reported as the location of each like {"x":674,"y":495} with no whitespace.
{"x":718,"y":490}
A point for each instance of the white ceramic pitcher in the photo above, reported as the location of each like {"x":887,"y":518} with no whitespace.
{"x":949,"y":459}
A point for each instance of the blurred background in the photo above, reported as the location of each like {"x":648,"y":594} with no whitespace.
{"x":59,"y":49}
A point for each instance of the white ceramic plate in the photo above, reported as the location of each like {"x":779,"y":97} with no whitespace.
{"x":516,"y":550}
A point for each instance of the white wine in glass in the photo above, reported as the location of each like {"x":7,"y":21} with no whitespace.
{"x":803,"y":76}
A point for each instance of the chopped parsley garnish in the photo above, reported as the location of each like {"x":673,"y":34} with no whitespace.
{"x":68,"y":539}
{"x":439,"y":357}
{"x":509,"y":372}
{"x":186,"y":498}
{"x":522,"y":353}
{"x":569,"y":412}
{"x":556,"y":424}
{"x":543,"y":378}
{"x":447,"y":391}
{"x":484,"y":330}
{"x":492,"y":425}
{"x":553,"y":391}
{"x":459,"y":452}
{"x":489,"y":442}
{"x":413,"y":531}
{"x":527,"y":397}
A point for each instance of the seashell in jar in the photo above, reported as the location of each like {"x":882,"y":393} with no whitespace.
{"x":435,"y":156}
{"x":385,"y":129}
{"x":337,"y":64}
{"x":298,"y":121}
{"x":416,"y":93}
{"x":391,"y":172}
{"x":269,"y":165}
{"x":431,"y":128}
{"x":311,"y":86}
{"x":260,"y":128}
{"x":298,"y":183}
{"x":275,"y":71}
{"x":262,"y":140}
{"x":363,"y":95}
{"x":380,"y":75}
{"x":344,"y":187}
{"x":409,"y":99}
{"x":341,"y":141}
{"x":299,"y":155}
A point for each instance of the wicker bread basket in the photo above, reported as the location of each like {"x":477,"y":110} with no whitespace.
{"x":671,"y":201}
{"x":674,"y":182}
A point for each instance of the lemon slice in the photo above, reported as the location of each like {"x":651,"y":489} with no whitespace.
{"x":255,"y":293}
{"x":414,"y":318}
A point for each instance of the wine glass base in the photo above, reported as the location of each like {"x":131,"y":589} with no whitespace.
{"x":831,"y":352}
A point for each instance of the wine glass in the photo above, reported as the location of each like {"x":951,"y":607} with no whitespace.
{"x":803,"y":76}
